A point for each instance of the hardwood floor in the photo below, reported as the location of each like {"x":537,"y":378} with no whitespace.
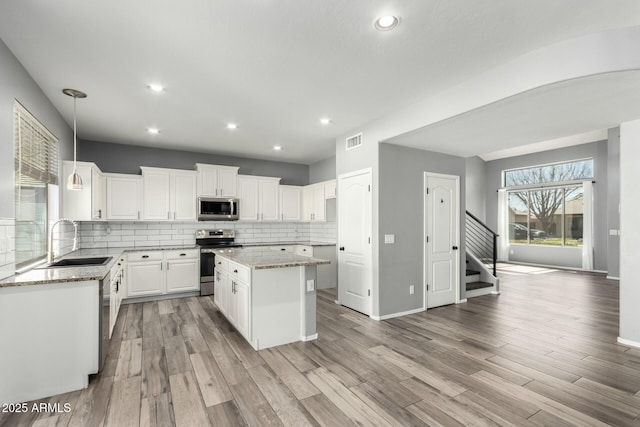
{"x":544,"y":352}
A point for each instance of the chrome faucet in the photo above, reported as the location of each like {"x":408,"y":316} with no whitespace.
{"x":50,"y":240}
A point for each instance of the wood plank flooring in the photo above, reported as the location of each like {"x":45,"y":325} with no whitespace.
{"x":543,"y":352}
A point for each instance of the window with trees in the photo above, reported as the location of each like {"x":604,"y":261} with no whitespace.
{"x":545,"y":205}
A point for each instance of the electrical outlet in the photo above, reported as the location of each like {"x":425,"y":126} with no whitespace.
{"x":311,"y":285}
{"x":412,"y":290}
{"x":510,"y":251}
{"x":389,"y":239}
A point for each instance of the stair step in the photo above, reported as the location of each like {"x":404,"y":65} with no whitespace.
{"x":472,"y":272}
{"x":478,"y":285}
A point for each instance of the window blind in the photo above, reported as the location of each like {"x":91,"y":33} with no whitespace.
{"x":37,"y":159}
{"x":36,"y":173}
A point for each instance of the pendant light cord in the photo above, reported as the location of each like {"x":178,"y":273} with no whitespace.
{"x":74,"y":136}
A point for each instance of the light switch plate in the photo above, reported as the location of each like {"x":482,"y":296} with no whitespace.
{"x":389,"y":239}
{"x":311,"y":285}
{"x":412,"y":289}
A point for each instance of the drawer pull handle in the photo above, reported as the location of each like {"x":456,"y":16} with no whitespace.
{"x":145,"y":256}
{"x":283,"y":249}
{"x":235,"y":271}
{"x":183,"y":254}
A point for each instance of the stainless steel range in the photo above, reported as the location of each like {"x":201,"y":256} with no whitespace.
{"x":208,"y":241}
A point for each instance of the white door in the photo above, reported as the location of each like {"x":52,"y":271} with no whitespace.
{"x":442,"y":225}
{"x":354,"y":241}
{"x":145,"y":278}
{"x":207,"y":181}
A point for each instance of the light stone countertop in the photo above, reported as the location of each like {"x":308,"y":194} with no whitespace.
{"x":43,"y":276}
{"x":260,"y":258}
{"x":307,"y":243}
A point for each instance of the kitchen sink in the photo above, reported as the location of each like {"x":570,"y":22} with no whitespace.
{"x":80,"y":262}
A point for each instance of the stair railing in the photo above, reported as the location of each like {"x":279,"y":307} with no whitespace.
{"x":481,"y":241}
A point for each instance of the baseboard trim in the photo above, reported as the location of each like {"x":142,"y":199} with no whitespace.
{"x":133,"y":300}
{"x":309,"y":337}
{"x":462,"y":301}
{"x":613,"y":277}
{"x":399,"y":314}
{"x":337,"y":302}
{"x":629,"y":343}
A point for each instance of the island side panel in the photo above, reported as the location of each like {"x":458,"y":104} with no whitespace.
{"x":276,"y":306}
{"x":308,"y":330}
{"x":53,"y":347}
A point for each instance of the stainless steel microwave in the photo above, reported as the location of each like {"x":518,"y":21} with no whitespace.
{"x":217,"y":209}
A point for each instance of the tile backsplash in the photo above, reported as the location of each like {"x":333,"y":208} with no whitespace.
{"x":7,"y":247}
{"x":144,"y":234}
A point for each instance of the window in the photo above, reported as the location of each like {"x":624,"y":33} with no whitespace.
{"x":550,"y":214}
{"x":554,"y":173}
{"x":36,"y":175}
{"x":546,"y":217}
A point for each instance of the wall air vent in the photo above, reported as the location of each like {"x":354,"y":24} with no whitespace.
{"x":354,"y":141}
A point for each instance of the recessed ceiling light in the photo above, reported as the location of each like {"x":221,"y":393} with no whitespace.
{"x":325,"y":120}
{"x":154,"y":87}
{"x":277,"y":147}
{"x":153,"y":131}
{"x":232,"y":126}
{"x":386,"y":23}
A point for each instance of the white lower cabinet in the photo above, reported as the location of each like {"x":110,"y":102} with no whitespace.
{"x":151,"y":273}
{"x":233,"y":295}
{"x":182,"y":272}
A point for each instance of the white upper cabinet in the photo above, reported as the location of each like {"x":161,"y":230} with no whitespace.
{"x":124,"y":196}
{"x":216,"y":181}
{"x":87,"y":204}
{"x":313,"y":208}
{"x":330,"y":189}
{"x":182,"y":189}
{"x":258,"y":198}
{"x":290,"y":203}
{"x":169,"y":194}
{"x":156,"y":194}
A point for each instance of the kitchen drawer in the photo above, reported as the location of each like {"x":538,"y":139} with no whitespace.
{"x":222,"y":264}
{"x":181,"y":254}
{"x":144,"y":256}
{"x":283,"y":248}
{"x":304,"y":250}
{"x":239,"y":272}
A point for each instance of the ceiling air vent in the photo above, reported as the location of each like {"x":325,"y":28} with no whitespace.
{"x":354,"y":141}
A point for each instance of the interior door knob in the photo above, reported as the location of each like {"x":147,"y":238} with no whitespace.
{"x":455,"y":248}
{"x":342,"y":248}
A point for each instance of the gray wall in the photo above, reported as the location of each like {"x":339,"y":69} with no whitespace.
{"x":120,"y":158}
{"x":17,"y":84}
{"x":401,"y":185}
{"x":613,"y":202}
{"x":324,"y":170}
{"x":595,"y":150}
{"x":476,"y":192}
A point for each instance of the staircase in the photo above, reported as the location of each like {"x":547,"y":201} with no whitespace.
{"x":481,"y":244}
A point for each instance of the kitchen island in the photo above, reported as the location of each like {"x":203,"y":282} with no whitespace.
{"x":269,"y":296}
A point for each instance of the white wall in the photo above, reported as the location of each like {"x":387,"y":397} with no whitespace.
{"x":630,"y":232}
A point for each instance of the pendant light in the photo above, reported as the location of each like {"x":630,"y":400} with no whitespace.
{"x":74,"y":182}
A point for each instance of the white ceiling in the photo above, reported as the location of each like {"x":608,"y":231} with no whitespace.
{"x":276,"y":67}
